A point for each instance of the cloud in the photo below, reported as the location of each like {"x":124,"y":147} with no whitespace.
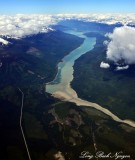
{"x":118,"y":68}
{"x":24,"y":25}
{"x":21,"y":25}
{"x":122,"y":45}
{"x":102,"y":18}
{"x":105,"y":43}
{"x":104,"y":65}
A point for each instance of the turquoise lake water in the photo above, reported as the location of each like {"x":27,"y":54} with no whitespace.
{"x":65,"y":68}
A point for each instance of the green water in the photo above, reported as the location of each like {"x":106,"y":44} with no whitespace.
{"x":65,"y":68}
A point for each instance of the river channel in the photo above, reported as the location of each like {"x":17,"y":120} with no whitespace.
{"x":60,"y":87}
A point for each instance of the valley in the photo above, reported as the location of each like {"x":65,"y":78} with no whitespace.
{"x":53,"y":126}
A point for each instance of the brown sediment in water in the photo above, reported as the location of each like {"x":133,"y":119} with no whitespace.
{"x":63,"y":89}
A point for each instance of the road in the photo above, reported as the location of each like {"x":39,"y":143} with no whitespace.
{"x":21,"y":116}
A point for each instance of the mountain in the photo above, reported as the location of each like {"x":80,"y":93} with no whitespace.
{"x":88,"y":26}
{"x":110,"y":88}
{"x":33,"y":60}
{"x":27,"y":63}
{"x":53,"y":128}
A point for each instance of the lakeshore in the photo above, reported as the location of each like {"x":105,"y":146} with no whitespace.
{"x":60,"y":87}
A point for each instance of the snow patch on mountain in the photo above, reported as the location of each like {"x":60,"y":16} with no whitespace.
{"x":3,"y":41}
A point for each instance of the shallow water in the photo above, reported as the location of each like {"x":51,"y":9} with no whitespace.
{"x":60,"y":87}
{"x":65,"y":68}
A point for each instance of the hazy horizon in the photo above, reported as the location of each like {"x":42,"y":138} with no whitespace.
{"x":64,"y":6}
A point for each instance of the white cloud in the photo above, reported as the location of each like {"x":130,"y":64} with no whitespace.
{"x":22,"y":25}
{"x":102,"y":18}
{"x":118,"y":68}
{"x":122,"y":45}
{"x":104,"y":65}
{"x":105,"y":43}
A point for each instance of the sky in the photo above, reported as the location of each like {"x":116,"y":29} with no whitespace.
{"x":66,"y":6}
